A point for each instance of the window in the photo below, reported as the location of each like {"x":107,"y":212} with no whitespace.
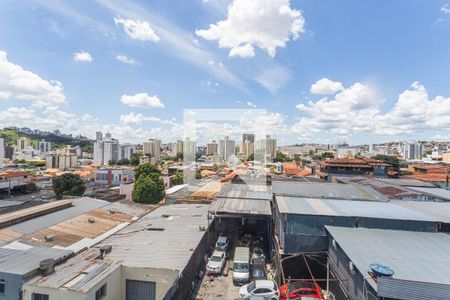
{"x":2,"y":287}
{"x":36,"y":296}
{"x":101,"y":292}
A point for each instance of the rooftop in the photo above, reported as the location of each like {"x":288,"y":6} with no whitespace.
{"x":241,"y":206}
{"x":348,"y":208}
{"x":170,"y":233}
{"x":25,"y":261}
{"x":427,"y":261}
{"x":325,"y":190}
{"x":245,"y":191}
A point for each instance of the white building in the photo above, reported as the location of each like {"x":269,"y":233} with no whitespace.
{"x":128,"y":150}
{"x":267,"y":146}
{"x":98,"y":152}
{"x":44,"y":147}
{"x":411,"y":150}
{"x":226,"y":148}
{"x":107,"y":150}
{"x":346,"y":151}
{"x":98,"y":136}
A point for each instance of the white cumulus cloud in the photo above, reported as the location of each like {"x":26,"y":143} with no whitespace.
{"x":125,"y":59}
{"x":17,"y":83}
{"x":82,"y":56}
{"x":142,"y":100}
{"x":326,"y":86}
{"x":137,"y":29}
{"x":446,"y":9}
{"x":267,"y":24}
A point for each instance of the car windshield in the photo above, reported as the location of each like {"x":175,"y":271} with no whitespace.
{"x":251,"y":287}
{"x":215,"y":258}
{"x":241,"y":267}
{"x":220,"y":244}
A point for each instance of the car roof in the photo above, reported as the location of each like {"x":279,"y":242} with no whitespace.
{"x":293,"y":286}
{"x":264,"y":284}
{"x":222,"y":239}
{"x":217,"y":253}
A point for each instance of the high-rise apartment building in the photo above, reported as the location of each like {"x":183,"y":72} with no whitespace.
{"x":44,"y":147}
{"x":128,"y":150}
{"x":212,"y":148}
{"x":226,"y":148}
{"x":248,"y":137}
{"x":411,"y":150}
{"x":152,"y":148}
{"x":267,"y":146}
{"x":22,"y":144}
{"x":98,"y":136}
{"x":107,"y":150}
{"x":248,"y":148}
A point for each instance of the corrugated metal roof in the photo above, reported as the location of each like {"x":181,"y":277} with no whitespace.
{"x":416,"y":256}
{"x":164,"y":238}
{"x":241,"y":206}
{"x":245,"y":191}
{"x":6,"y":203}
{"x":325,"y":190}
{"x":79,"y":273}
{"x":411,"y":290}
{"x":437,"y":192}
{"x":348,"y":208}
{"x":22,"y":262}
{"x":80,"y":206}
{"x":437,"y":210}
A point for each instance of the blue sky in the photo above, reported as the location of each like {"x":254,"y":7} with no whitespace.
{"x":325,"y":71}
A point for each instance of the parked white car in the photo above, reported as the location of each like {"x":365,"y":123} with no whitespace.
{"x":264,"y":288}
{"x":216,"y":263}
{"x":222,"y":243}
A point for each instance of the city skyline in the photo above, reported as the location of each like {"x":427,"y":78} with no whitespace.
{"x":320,"y":79}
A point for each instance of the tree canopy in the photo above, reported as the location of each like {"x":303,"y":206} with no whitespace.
{"x":389,"y":159}
{"x":178,"y":178}
{"x":149,"y":184}
{"x":68,"y":185}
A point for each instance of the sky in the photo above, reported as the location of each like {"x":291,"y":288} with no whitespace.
{"x":325,"y":71}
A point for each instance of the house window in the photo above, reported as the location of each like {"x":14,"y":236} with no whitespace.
{"x":2,"y":287}
{"x":36,"y":296}
{"x":101,"y":292}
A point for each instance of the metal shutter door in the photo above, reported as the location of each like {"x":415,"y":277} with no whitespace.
{"x":140,"y":290}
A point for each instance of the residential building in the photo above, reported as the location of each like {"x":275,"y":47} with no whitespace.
{"x":111,"y":151}
{"x":248,"y":137}
{"x":98,"y":136}
{"x":226,"y":148}
{"x":63,"y":159}
{"x":267,"y":147}
{"x":248,"y":148}
{"x":106,"y":177}
{"x":212,"y":148}
{"x":128,"y":150}
{"x":152,"y":148}
{"x":22,"y":144}
{"x":44,"y":147}
{"x":98,"y":152}
{"x":351,"y":167}
{"x":411,"y":150}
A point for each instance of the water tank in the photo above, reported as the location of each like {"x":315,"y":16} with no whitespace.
{"x":381,"y":271}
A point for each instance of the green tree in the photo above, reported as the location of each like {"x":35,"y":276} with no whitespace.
{"x":178,"y":178}
{"x":135,"y":159}
{"x":146,"y":170}
{"x":123,"y":162}
{"x":148,"y":189}
{"x":280,"y":157}
{"x":68,"y":185}
{"x":323,"y":156}
{"x":251,"y":157}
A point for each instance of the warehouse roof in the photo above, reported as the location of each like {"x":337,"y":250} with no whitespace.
{"x":348,"y":208}
{"x":79,"y":206}
{"x":241,"y":206}
{"x":415,"y":256}
{"x":325,"y":190}
{"x":437,"y":210}
{"x":170,"y":233}
{"x":245,"y":191}
{"x":26,"y":261}
{"x":436,"y":192}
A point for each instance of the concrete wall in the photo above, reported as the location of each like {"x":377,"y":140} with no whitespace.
{"x":163,"y":278}
{"x":13,"y":284}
